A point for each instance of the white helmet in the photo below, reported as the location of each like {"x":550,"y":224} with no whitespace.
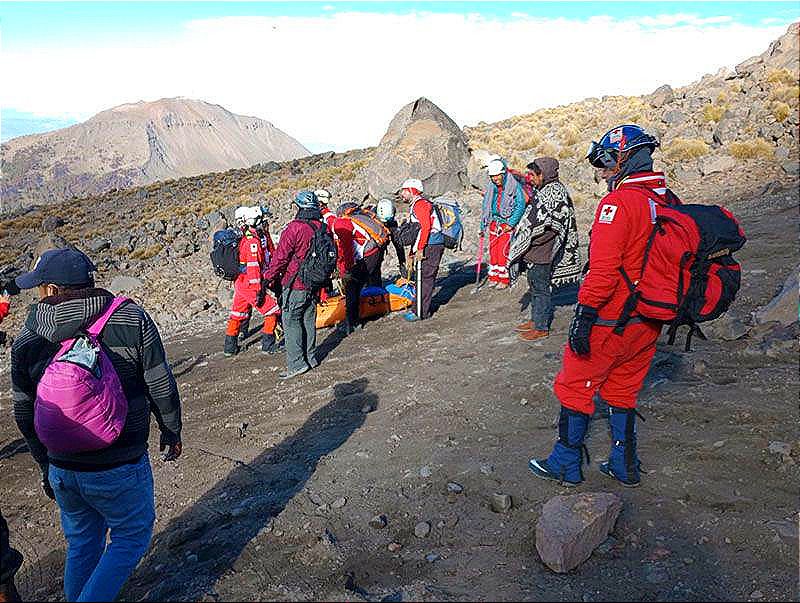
{"x":385,"y":210}
{"x":415,"y":183}
{"x":323,"y":195}
{"x":496,"y":167}
{"x":247,"y":216}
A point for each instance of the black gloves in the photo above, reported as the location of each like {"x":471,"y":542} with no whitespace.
{"x":581,"y":327}
{"x":261,"y":295}
{"x":48,"y":489}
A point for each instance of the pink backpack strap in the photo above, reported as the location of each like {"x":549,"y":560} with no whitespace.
{"x":97,"y":326}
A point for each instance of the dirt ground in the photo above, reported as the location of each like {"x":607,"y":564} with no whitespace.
{"x":273,"y":496}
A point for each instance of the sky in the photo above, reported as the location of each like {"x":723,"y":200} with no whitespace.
{"x":333,"y":74}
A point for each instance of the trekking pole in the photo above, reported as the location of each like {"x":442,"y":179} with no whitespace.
{"x":419,"y":288}
{"x":478,"y":265}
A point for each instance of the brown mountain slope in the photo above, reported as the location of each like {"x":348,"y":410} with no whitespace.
{"x":136,"y":144}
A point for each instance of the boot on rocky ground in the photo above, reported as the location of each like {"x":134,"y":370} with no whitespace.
{"x":231,"y":345}
{"x":564,"y":464}
{"x":623,"y":463}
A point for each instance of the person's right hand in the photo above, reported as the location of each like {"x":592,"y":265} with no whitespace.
{"x":5,"y":299}
{"x":173,"y":449}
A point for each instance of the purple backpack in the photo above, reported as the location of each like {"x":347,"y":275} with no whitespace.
{"x":80,"y":405}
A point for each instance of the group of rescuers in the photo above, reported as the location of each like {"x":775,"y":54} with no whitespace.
{"x":596,"y":364}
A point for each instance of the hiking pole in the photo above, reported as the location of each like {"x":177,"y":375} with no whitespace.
{"x":478,"y":265}
{"x":419,"y":288}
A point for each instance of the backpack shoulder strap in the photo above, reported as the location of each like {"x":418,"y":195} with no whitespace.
{"x":98,"y":325}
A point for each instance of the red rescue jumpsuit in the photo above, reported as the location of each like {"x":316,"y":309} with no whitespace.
{"x":617,"y":364}
{"x":255,"y":249}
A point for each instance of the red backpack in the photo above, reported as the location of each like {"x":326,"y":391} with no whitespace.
{"x":689,"y":274}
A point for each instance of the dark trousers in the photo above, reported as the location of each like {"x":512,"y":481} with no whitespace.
{"x":541,"y":302}
{"x":10,"y":559}
{"x":362,"y":273}
{"x":429,"y":269}
{"x":299,"y":315}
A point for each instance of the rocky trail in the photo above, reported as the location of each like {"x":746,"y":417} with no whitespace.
{"x":373,"y":477}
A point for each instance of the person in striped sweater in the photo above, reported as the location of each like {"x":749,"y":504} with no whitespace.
{"x":110,"y":488}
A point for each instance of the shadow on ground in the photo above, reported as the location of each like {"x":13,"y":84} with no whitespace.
{"x":225,"y":519}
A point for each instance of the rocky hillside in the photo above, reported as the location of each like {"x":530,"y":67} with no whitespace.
{"x":730,"y":136}
{"x":136,"y":144}
{"x":733,"y":125}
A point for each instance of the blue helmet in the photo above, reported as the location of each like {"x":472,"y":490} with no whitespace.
{"x":605,"y":154}
{"x":306,"y":200}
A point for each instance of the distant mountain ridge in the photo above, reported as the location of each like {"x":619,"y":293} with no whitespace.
{"x":137,"y":144}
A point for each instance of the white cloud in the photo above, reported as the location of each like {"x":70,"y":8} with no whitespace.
{"x":338,"y":79}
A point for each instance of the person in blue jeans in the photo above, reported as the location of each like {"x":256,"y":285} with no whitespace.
{"x":107,"y":491}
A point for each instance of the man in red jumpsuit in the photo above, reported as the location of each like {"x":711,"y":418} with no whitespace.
{"x":255,"y":249}
{"x":600,"y":358}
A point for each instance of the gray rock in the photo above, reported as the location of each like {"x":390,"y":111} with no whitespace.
{"x":787,"y":531}
{"x":726,"y":130}
{"x":431,"y":557}
{"x":673,"y":117}
{"x":728,"y":327}
{"x":782,"y":449}
{"x":99,"y":244}
{"x":713,"y":165}
{"x":783,"y":307}
{"x":198,"y":305}
{"x":425,"y":471}
{"x":501,"y":503}
{"x":662,"y":96}
{"x":50,"y":223}
{"x":378,"y":522}
{"x":571,"y":527}
{"x":421,"y":142}
{"x":686,"y":173}
{"x":749,"y":66}
{"x":157,"y":227}
{"x":339,"y":503}
{"x":791,"y":167}
{"x":655,"y":574}
{"x":782,"y":154}
{"x":422,"y":529}
{"x":476,"y":168}
{"x":314,"y":498}
{"x":394,"y":547}
{"x":124,"y":283}
{"x":454,"y":488}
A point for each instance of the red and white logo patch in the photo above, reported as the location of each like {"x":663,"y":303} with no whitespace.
{"x":615,"y":135}
{"x":607,"y":214}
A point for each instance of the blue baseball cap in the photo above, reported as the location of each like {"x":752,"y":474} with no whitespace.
{"x":66,"y":266}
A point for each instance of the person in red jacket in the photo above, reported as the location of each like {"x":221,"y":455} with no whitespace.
{"x":359,"y":260}
{"x":428,"y":247}
{"x":601,"y":358}
{"x":255,"y":249}
{"x":298,"y":304}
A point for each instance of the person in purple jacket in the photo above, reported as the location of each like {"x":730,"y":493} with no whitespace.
{"x":298,"y":304}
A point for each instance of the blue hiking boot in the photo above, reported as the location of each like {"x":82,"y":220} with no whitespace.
{"x":565,"y":461}
{"x":410,"y":317}
{"x":623,"y":463}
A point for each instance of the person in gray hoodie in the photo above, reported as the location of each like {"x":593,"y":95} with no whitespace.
{"x":110,"y":489}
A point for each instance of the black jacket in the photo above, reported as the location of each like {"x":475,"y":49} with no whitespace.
{"x":134,"y":346}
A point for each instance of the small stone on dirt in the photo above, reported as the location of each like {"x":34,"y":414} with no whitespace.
{"x":192,"y":558}
{"x":425,"y":471}
{"x":378,"y":522}
{"x":431,"y":557}
{"x":394,"y":547}
{"x":314,"y":498}
{"x":486,"y":469}
{"x":454,"y":488}
{"x":501,"y":503}
{"x":756,"y":595}
{"x":339,"y":503}
{"x":422,"y":529}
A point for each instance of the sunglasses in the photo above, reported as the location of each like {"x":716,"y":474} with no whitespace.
{"x":600,"y":157}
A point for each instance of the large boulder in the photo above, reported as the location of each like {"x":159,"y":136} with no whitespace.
{"x":571,"y":527}
{"x":476,"y":168}
{"x":421,"y":142}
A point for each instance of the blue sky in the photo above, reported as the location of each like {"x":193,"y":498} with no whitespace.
{"x":68,"y":61}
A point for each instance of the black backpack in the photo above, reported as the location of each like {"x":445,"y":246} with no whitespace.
{"x":225,"y":254}
{"x":320,"y":261}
